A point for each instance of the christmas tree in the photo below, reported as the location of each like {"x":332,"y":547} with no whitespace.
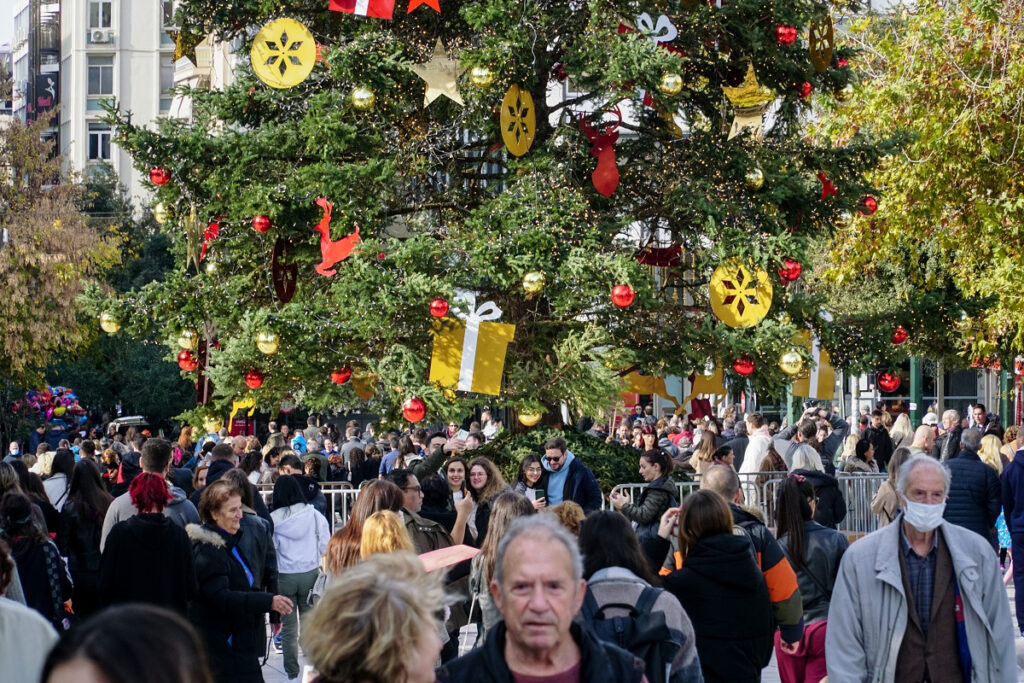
{"x":387,"y":188}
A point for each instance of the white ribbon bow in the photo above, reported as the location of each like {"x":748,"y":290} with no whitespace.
{"x":662,"y":32}
{"x":466,"y":310}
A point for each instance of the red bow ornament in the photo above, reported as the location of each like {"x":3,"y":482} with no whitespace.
{"x":210,"y":234}
{"x":602,"y":146}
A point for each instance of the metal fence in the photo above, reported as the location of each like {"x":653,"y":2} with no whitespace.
{"x":857,"y":491}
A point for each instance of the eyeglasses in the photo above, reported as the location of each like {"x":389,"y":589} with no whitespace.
{"x":534,"y":469}
{"x":414,"y":489}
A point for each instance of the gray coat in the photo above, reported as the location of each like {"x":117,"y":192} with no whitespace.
{"x":868,"y":614}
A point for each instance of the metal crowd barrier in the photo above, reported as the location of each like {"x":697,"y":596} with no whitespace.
{"x":857,"y":491}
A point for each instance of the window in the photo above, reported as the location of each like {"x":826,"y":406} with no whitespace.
{"x":100,"y":12}
{"x":99,"y":141}
{"x":167,"y":12}
{"x":166,"y":73}
{"x":101,"y":75}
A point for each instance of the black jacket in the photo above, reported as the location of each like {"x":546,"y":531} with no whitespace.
{"x":599,"y":662}
{"x":947,"y":445}
{"x":739,"y":450}
{"x":368,"y":470}
{"x":257,"y":546}
{"x":817,"y":570}
{"x":79,"y":539}
{"x":831,"y":507}
{"x":882,"y":442}
{"x":581,"y":487}
{"x":654,"y":499}
{"x":723,"y":592}
{"x":30,"y":556}
{"x":148,"y":558}
{"x":975,"y":497}
{"x":228,"y":612}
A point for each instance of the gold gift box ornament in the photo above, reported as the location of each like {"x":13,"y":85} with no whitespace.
{"x":469,"y":349}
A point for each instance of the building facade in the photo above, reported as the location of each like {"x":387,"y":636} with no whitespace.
{"x":112,"y":50}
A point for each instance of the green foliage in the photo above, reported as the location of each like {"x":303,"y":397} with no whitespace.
{"x":945,"y":242}
{"x":440,"y":206}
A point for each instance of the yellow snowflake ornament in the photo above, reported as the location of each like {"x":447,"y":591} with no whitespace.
{"x":740,"y":295}
{"x":283,"y":53}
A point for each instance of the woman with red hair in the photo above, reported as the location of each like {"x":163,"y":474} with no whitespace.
{"x":147,"y":557}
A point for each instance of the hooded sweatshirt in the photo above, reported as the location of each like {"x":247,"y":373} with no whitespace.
{"x":300,"y":538}
{"x":556,"y":479}
{"x":180,"y":511}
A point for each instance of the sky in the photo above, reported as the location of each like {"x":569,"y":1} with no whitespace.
{"x":6,"y":20}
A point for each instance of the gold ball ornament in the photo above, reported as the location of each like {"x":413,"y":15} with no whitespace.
{"x":845,"y":93}
{"x":754,"y":178}
{"x":109,"y":323}
{"x":534,"y":282}
{"x":529,"y":417}
{"x":212,"y":425}
{"x":161,"y":213}
{"x":481,"y":76}
{"x":671,"y":84}
{"x":188,"y":339}
{"x":268,"y":342}
{"x":363,"y":99}
{"x":791,"y":362}
{"x":211,"y":267}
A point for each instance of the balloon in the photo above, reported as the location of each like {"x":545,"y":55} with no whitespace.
{"x":49,"y":414}
{"x":59,"y":411}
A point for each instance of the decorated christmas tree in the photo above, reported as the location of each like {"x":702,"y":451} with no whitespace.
{"x":424,"y":206}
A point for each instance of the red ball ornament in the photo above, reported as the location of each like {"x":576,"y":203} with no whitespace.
{"x":790,"y":270}
{"x":785,"y":35}
{"x":414,"y":410}
{"x":381,"y":256}
{"x":743,"y":366}
{"x":261,"y":223}
{"x":623,"y":296}
{"x":842,"y":62}
{"x":804,"y":90}
{"x":159,"y":176}
{"x":341,"y":375}
{"x":186,"y":361}
{"x":868,"y":206}
{"x":899,"y":335}
{"x":888,"y":382}
{"x":254,"y":379}
{"x":439,"y":308}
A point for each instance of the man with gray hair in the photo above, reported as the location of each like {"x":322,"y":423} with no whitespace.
{"x":947,"y":445}
{"x":975,"y":498}
{"x":920,"y":599}
{"x":538,"y":587}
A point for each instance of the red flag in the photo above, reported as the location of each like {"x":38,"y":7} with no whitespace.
{"x":381,"y":9}
{"x":413,"y":4}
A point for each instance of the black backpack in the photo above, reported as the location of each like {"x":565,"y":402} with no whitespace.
{"x":643,"y":633}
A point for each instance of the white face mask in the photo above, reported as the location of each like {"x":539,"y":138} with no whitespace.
{"x":922,"y":516}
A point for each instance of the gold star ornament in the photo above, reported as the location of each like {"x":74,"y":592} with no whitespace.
{"x":750,"y":100}
{"x":441,"y":74}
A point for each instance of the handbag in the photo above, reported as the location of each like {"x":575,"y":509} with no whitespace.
{"x":469,"y":633}
{"x":62,"y":617}
{"x":320,"y":585}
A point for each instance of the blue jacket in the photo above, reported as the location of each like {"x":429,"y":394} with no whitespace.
{"x":1013,"y":493}
{"x":974,"y":495}
{"x":581,"y":487}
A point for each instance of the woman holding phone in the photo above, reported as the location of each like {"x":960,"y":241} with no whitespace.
{"x":658,"y":496}
{"x":532,"y":481}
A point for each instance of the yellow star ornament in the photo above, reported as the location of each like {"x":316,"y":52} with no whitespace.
{"x":441,"y":74}
{"x":283,"y":53}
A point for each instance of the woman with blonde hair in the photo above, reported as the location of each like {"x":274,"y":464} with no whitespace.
{"x":379,"y":624}
{"x":384,"y":532}
{"x":902,"y":434}
{"x":704,"y":455}
{"x":849,"y":451}
{"x":886,"y":503}
{"x":343,"y":550}
{"x":1009,"y":444}
{"x":989,"y":452}
{"x":485,"y":483}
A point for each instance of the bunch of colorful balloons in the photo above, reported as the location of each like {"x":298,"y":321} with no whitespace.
{"x":57,"y":405}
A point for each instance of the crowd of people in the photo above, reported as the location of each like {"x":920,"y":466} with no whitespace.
{"x":228,"y":546}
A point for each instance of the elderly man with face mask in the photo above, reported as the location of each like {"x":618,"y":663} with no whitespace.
{"x":920,"y":599}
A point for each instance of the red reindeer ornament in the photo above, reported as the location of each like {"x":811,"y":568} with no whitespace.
{"x":332,"y":252}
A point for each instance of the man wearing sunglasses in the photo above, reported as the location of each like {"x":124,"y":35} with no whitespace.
{"x":568,"y":479}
